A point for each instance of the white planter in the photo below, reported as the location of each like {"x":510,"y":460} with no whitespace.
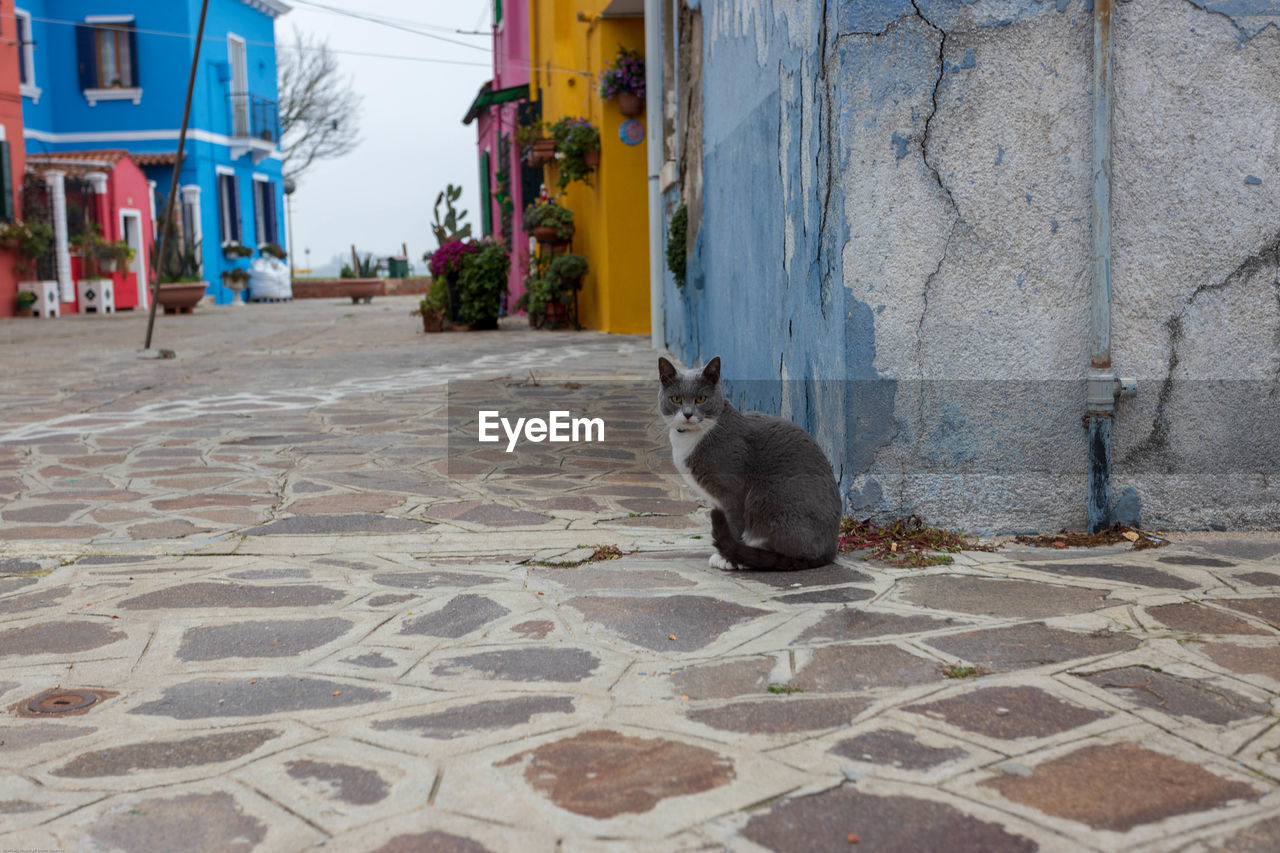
{"x":47,"y":303}
{"x":97,"y":295}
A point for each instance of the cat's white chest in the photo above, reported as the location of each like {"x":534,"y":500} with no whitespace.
{"x":682,"y":445}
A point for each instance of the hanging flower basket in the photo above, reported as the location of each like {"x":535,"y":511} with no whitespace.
{"x":629,"y":104}
{"x":542,"y":152}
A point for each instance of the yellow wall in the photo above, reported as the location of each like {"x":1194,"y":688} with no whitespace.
{"x":611,"y":217}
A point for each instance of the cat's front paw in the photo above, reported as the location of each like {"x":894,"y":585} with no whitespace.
{"x":718,"y":561}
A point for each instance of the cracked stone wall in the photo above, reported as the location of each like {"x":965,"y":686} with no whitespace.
{"x":895,"y":249}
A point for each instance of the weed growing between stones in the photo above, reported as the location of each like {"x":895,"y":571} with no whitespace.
{"x":905,"y":543}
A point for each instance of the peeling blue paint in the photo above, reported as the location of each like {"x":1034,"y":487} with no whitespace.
{"x":1053,"y":226}
{"x":1250,"y":17}
{"x":900,"y":143}
{"x":1028,"y":195}
{"x":999,"y":155}
{"x":1252,"y":180}
{"x":970,"y":60}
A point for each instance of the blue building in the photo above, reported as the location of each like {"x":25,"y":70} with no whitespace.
{"x":113,"y":75}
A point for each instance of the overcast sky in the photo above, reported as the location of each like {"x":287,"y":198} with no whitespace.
{"x":413,"y":141}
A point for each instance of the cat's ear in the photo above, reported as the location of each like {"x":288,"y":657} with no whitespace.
{"x":666,"y":371}
{"x":712,"y":371}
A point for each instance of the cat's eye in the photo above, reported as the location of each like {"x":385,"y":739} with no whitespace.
{"x":702,"y":398}
{"x":675,"y":399}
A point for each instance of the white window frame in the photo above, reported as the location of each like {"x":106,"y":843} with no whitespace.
{"x":114,"y":93}
{"x":22,"y":23}
{"x":190,"y":194}
{"x":239,"y":99}
{"x":224,"y":211}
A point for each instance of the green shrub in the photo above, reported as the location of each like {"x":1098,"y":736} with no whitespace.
{"x":677,"y":250}
{"x":566,"y":269}
{"x":482,"y":279}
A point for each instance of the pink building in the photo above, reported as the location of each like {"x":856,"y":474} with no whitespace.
{"x":500,"y":107}
{"x":106,"y":189}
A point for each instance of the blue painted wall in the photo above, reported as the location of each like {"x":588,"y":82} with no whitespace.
{"x":893,"y":248}
{"x":63,"y":120}
{"x":741,"y":300}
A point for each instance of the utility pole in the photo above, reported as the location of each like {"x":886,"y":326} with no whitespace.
{"x":166,"y":231}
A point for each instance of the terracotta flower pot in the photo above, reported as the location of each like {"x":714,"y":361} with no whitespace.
{"x":433,"y":321}
{"x":549,"y":235}
{"x":557,"y":313}
{"x":361,"y":289}
{"x":591,"y":158}
{"x":542,"y":152}
{"x":180,"y":297}
{"x":629,"y":104}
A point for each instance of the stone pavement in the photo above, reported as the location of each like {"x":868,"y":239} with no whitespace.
{"x":248,"y":603}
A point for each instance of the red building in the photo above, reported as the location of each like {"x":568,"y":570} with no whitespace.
{"x":109,"y":190}
{"x":12,"y":159}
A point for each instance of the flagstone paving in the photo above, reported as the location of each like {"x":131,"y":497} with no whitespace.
{"x":273,"y":595}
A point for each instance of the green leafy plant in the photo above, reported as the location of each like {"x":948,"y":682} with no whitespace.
{"x":275,"y":250}
{"x":451,"y":227}
{"x":436,"y":299}
{"x":28,"y":240}
{"x":366,"y":267}
{"x":235,"y":278}
{"x":565,"y":270}
{"x":575,"y":139}
{"x":527,"y":134}
{"x":182,"y":263}
{"x":545,"y":213}
{"x":236,"y":249}
{"x":346,"y":272}
{"x":677,"y":249}
{"x":482,"y":279}
{"x":25,"y":299}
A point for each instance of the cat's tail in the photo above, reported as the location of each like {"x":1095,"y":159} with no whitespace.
{"x":747,"y":557}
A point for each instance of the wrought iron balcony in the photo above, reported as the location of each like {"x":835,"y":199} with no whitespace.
{"x":254,"y":117}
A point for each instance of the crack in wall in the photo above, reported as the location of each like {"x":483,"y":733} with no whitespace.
{"x":955,"y":208}
{"x":1155,"y":446}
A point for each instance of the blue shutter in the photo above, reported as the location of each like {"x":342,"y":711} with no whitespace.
{"x":133,"y":55}
{"x":85,"y":56}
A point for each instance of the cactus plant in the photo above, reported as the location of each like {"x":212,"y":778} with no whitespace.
{"x":451,"y":228}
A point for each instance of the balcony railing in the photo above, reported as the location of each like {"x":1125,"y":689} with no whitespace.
{"x":253,"y":117}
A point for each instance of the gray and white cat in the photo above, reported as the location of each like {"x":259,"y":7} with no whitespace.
{"x":774,"y":498}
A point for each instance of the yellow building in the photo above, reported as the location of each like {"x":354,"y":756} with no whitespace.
{"x":569,"y":44}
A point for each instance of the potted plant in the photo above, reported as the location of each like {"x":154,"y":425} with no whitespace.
{"x":273,"y":250}
{"x":236,"y":280}
{"x":567,"y":271}
{"x":119,"y":254}
{"x":481,"y":283}
{"x":232,"y":249}
{"x":445,"y":263}
{"x":549,"y":222}
{"x":95,"y":252}
{"x":181,"y":285}
{"x":434,"y":307}
{"x":24,"y":301}
{"x":28,"y":240}
{"x":537,"y":149}
{"x":624,"y":79}
{"x":578,"y":143}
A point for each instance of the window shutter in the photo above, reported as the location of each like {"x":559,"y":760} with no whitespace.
{"x":237,"y":225}
{"x":85,"y":57}
{"x":6,"y":184}
{"x":486,"y":200}
{"x":133,"y":54}
{"x":273,"y":228}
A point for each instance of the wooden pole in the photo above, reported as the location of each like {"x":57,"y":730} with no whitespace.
{"x":167,"y":230}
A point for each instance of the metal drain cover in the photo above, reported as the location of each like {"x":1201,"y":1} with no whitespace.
{"x":61,"y":701}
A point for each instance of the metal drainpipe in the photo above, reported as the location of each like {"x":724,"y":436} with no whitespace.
{"x":1102,"y":385}
{"x":653,"y":52}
